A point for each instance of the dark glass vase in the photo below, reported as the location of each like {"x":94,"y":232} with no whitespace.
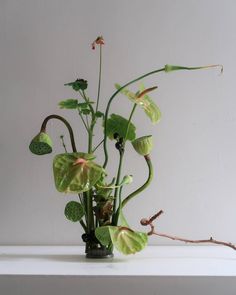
{"x":97,"y":251}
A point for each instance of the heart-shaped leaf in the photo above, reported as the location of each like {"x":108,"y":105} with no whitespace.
{"x":74,"y":211}
{"x":144,"y":101}
{"x":75,"y":172}
{"x":126,"y":240}
{"x":118,"y":124}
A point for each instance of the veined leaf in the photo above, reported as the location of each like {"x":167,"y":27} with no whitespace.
{"x":118,"y":124}
{"x":75,"y":172}
{"x":68,"y":104}
{"x":144,"y":101}
{"x":103,"y":235}
{"x":74,"y":211}
{"x":126,"y":240}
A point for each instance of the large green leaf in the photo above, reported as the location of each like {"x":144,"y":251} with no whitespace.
{"x":144,"y":101}
{"x":118,"y":124}
{"x":74,"y":211}
{"x":126,"y":240}
{"x":75,"y":172}
{"x":103,"y":235}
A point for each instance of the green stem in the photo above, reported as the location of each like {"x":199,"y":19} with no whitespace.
{"x":85,"y":125}
{"x":117,"y":213}
{"x":129,"y":121}
{"x":108,"y":108}
{"x":117,"y":184}
{"x":97,"y":146}
{"x":44,"y":125}
{"x":99,"y":78}
{"x":144,"y":186}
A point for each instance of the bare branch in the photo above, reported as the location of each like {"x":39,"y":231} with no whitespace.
{"x":146,"y":221}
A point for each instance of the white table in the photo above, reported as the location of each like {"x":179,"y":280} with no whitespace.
{"x":163,"y":270}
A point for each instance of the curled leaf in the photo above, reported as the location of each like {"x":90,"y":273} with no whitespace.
{"x":144,"y":101}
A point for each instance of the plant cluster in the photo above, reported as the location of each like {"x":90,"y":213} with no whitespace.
{"x":99,"y":208}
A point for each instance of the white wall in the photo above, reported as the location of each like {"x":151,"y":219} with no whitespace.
{"x":44,"y":44}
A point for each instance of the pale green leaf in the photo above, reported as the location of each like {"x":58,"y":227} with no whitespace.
{"x":75,"y":172}
{"x":144,"y":101}
{"x":126,"y":240}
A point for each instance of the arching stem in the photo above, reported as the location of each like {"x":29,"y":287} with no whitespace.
{"x":44,"y":125}
{"x":144,"y":186}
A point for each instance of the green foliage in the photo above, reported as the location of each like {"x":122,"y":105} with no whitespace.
{"x":99,"y":114}
{"x":144,"y":101}
{"x":103,"y":235}
{"x":74,"y":211}
{"x":126,"y":240}
{"x":79,"y":84}
{"x":68,"y":104}
{"x":118,"y":124}
{"x":41,"y":144}
{"x":75,"y":172}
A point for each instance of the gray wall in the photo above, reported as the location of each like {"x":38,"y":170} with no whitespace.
{"x":44,"y":44}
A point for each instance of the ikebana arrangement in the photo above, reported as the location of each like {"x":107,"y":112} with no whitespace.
{"x":101,"y":198}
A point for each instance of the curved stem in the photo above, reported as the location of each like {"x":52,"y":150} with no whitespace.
{"x":144,"y":186}
{"x":108,"y":108}
{"x":99,"y":78}
{"x":44,"y":124}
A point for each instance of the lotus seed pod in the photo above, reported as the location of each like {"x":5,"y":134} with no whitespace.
{"x":41,"y":144}
{"x":143,"y":145}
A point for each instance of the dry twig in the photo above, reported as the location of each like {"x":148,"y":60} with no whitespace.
{"x":145,"y":222}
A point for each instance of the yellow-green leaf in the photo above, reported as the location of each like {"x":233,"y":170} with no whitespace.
{"x":75,"y":172}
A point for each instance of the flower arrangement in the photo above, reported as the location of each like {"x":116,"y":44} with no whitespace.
{"x":99,"y":208}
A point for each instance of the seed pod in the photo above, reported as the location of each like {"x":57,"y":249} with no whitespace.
{"x":41,"y":144}
{"x":143,"y":145}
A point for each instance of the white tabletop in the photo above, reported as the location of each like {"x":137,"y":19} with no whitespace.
{"x":153,"y":261}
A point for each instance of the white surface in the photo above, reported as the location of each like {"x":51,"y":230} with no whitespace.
{"x":154,"y":261}
{"x":44,"y":44}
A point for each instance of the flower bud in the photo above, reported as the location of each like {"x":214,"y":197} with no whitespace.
{"x":41,"y":144}
{"x":143,"y":145}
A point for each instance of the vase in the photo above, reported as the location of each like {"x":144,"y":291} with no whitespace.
{"x":96,"y":250}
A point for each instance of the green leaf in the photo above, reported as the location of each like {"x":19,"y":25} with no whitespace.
{"x":74,"y":211}
{"x":122,"y":220}
{"x":68,"y":104}
{"x":102,"y":233}
{"x":75,"y":172}
{"x":99,"y":114}
{"x":126,"y":240}
{"x":84,"y":105}
{"x":85,"y":111}
{"x":118,"y":124}
{"x":79,"y":84}
{"x":144,"y":101}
